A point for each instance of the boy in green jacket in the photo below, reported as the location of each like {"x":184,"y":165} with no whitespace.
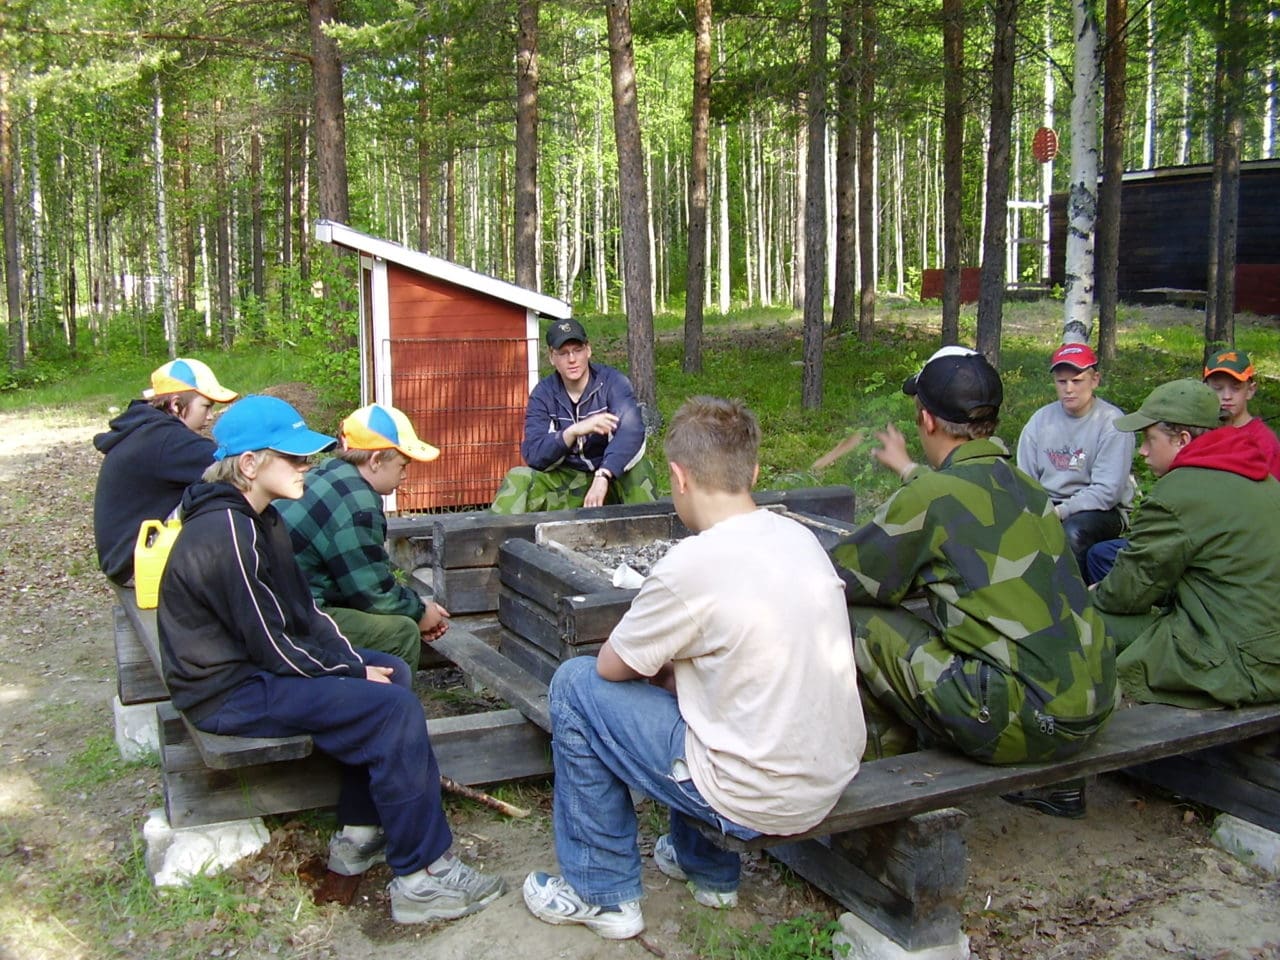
{"x":1192,"y":601}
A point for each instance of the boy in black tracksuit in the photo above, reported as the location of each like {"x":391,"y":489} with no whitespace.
{"x":247,"y":653}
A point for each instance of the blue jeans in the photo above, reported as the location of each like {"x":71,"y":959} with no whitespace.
{"x":607,"y":736}
{"x":1101,"y":558}
{"x":377,"y":731}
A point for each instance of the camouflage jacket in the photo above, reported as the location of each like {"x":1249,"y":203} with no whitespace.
{"x":981,"y":540}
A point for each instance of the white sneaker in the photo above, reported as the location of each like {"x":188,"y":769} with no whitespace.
{"x":664,"y":858}
{"x":550,"y":898}
{"x":352,"y":858}
{"x":459,"y":891}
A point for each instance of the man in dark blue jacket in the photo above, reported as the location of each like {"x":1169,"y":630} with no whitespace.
{"x":584,"y":437}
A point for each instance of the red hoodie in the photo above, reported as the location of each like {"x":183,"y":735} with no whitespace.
{"x":1229,"y":449}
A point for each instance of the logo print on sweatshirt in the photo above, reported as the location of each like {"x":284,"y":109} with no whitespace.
{"x":1067,"y":458}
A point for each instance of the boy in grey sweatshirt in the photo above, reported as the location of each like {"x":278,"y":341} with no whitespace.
{"x":1071,"y":449}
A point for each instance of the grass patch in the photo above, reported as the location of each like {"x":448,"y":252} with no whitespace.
{"x":97,"y":763}
{"x":800,"y":938}
{"x":112,"y":909}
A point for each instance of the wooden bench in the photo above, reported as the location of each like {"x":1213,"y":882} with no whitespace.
{"x":209,"y":778}
{"x":892,"y":849}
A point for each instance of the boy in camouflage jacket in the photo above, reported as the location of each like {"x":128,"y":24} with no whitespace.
{"x":1015,"y":666}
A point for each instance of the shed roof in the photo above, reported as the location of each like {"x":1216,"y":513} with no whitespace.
{"x":329,"y":231}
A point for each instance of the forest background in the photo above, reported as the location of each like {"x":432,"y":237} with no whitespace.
{"x":161,"y":163}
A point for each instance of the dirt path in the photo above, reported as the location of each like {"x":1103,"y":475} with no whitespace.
{"x":1136,"y":879}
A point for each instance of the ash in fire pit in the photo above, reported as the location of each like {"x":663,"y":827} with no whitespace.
{"x":640,"y":557}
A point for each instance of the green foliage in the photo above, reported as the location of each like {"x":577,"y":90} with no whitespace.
{"x":97,"y":763}
{"x":806,"y":937}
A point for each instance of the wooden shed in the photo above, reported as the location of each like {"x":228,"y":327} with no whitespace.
{"x":457,"y":351}
{"x":1164,"y":233}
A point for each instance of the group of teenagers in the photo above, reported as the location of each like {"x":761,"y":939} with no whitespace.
{"x":754,"y":670}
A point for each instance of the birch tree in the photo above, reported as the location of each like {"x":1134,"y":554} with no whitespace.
{"x":1082,"y":192}
{"x":162,"y":224}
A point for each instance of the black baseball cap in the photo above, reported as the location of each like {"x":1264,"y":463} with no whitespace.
{"x":562,"y":331}
{"x":957,"y":384}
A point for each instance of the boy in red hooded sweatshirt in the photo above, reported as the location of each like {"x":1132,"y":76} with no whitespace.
{"x":1192,"y":600}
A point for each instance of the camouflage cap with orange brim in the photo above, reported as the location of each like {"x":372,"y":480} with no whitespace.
{"x":1235,"y":363}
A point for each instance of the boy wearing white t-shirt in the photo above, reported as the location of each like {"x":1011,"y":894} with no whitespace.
{"x":727,"y":693}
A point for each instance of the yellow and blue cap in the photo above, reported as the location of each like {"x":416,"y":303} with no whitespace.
{"x":380,"y":427}
{"x":181,"y":375}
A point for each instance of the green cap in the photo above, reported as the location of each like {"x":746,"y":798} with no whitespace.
{"x":1234,"y":362}
{"x":1188,"y":403}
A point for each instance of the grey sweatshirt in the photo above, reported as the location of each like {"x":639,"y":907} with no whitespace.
{"x":1083,"y":463}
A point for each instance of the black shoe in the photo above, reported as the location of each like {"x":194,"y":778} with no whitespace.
{"x":1056,"y":801}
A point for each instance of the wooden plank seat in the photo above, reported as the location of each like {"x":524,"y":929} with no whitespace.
{"x":208,"y":777}
{"x":892,"y":850}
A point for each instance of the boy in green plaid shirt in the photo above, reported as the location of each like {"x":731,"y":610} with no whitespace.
{"x":339,"y":531}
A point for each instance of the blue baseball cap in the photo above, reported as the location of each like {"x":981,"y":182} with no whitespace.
{"x":266,"y":423}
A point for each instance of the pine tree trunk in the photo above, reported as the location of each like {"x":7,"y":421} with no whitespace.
{"x":1107,"y":259}
{"x":952,"y":165}
{"x":258,"y":266}
{"x":815,"y":209}
{"x":866,"y":174}
{"x":331,"y":135}
{"x":846,"y":252}
{"x":286,"y":215}
{"x":527,"y":246}
{"x":634,"y":207}
{"x":1082,"y":193}
{"x":1224,"y":214}
{"x":992,"y":283}
{"x":696,"y":267}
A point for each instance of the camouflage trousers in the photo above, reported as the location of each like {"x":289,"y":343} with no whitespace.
{"x":914,"y":688}
{"x":525,"y":490}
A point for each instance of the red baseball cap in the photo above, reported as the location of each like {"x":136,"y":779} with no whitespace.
{"x":1078,"y":355}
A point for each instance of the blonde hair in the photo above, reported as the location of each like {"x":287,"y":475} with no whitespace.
{"x":227,"y":470}
{"x":716,"y":441}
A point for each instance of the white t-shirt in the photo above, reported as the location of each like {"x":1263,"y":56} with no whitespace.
{"x":753,"y":614}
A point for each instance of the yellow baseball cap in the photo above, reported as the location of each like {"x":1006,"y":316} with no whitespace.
{"x":179,"y":376}
{"x":379,"y":427}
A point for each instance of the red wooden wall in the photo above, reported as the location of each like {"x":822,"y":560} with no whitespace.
{"x":460,"y":372}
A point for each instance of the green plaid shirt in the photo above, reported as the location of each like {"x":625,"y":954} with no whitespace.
{"x":339,"y":534}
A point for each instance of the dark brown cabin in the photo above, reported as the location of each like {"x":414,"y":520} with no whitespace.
{"x":1164,"y":234}
{"x":455,"y":350}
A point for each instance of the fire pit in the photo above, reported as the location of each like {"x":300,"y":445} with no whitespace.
{"x":562,"y":594}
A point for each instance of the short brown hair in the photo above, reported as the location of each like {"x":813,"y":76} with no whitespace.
{"x":974,"y":430}
{"x":1174,"y":430}
{"x":179,"y":401}
{"x":360,"y":457}
{"x":716,"y":441}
